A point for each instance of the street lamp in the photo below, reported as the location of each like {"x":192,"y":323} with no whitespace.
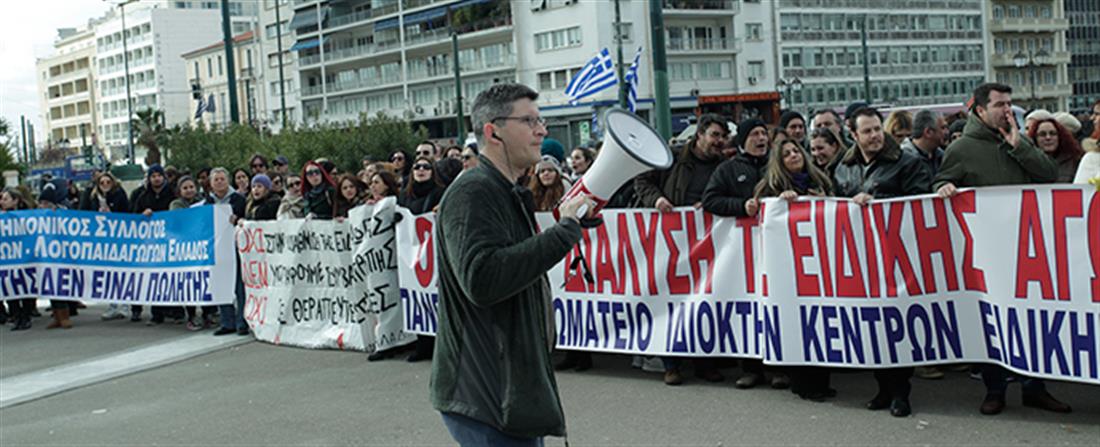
{"x":1031,"y":61}
{"x":126,"y":74}
{"x":786,"y":88}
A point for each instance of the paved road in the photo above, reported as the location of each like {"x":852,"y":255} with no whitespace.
{"x":259,"y":394}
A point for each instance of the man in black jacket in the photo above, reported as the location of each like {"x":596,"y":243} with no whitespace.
{"x":876,"y":168}
{"x":154,"y":195}
{"x":232,"y":318}
{"x":730,"y":193}
{"x":492,"y":377}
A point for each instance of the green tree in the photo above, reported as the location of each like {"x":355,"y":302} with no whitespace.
{"x":151,"y":133}
{"x":7,"y":160}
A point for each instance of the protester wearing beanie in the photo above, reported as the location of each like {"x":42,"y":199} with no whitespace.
{"x":795,"y":125}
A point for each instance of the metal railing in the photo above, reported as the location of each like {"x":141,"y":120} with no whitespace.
{"x":712,"y":44}
{"x":713,"y":5}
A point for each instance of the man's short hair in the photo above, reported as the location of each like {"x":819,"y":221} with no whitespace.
{"x":435,"y":149}
{"x":981,"y":93}
{"x":862,"y":111}
{"x":495,"y":102}
{"x":826,"y":112}
{"x":710,"y":119}
{"x":924,"y":120}
{"x":219,"y":170}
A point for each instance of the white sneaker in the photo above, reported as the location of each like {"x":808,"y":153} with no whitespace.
{"x":112,"y":314}
{"x":637,"y":361}
{"x":653,"y":364}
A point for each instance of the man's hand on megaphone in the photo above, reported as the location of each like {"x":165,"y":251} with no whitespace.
{"x":570,"y":208}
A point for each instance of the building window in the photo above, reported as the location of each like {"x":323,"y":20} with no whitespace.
{"x":756,"y":69}
{"x":626,"y":30}
{"x":754,"y":31}
{"x":557,"y":39}
{"x":679,"y":71}
{"x":221,"y":71}
{"x":209,"y":68}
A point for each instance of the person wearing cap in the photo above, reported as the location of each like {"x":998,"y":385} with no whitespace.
{"x":262,"y":203}
{"x":730,"y":192}
{"x":154,"y":195}
{"x":554,"y":149}
{"x":795,"y":125}
{"x":280,"y":165}
{"x":54,"y":196}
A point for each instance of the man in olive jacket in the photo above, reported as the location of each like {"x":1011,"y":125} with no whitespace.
{"x":492,"y":377}
{"x":992,"y":152}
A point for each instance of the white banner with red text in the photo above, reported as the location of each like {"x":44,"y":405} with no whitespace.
{"x":324,"y":283}
{"x":1005,"y":275}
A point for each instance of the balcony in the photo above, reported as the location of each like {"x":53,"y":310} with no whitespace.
{"x":701,"y":7}
{"x":506,"y":61}
{"x":353,"y":84}
{"x":682,"y":45}
{"x":1007,"y":59}
{"x":1043,"y":91}
{"x":432,"y":36}
{"x":856,"y":71}
{"x":1028,"y":25}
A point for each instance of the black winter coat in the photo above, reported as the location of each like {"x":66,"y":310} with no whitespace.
{"x":732,"y":185}
{"x":266,"y":209}
{"x":145,"y":198}
{"x":893,"y":173}
{"x":423,"y":198}
{"x":116,"y":201}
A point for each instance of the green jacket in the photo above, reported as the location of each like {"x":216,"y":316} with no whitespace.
{"x":495,"y":335}
{"x":981,"y":157}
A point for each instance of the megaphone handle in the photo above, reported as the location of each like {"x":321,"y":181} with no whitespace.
{"x":582,"y":211}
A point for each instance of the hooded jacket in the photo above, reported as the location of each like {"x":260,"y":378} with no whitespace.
{"x":981,"y":157}
{"x":893,"y":173}
{"x":492,"y":351}
{"x":145,"y":198}
{"x":673,"y":183}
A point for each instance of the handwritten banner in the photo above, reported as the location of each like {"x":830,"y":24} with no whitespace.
{"x":324,"y":284}
{"x":182,"y":257}
{"x":999,"y":275}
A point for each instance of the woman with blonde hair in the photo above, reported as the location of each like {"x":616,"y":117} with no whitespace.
{"x":899,"y":125}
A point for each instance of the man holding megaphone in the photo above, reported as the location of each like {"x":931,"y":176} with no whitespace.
{"x":492,"y":377}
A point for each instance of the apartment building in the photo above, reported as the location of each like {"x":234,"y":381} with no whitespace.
{"x":66,"y":86}
{"x":273,"y":25}
{"x":1083,"y":42}
{"x":208,"y":79}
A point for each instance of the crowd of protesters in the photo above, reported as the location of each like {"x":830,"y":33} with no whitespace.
{"x":725,"y":170}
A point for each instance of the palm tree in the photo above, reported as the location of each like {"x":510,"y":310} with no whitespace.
{"x":149,"y":126}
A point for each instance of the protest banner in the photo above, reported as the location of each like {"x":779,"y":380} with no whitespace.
{"x":182,"y":257}
{"x":998,"y":275}
{"x":322,"y":283}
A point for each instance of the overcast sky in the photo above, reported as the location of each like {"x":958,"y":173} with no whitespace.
{"x":28,"y":29}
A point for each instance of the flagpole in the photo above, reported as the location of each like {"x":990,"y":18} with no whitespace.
{"x":619,"y":47}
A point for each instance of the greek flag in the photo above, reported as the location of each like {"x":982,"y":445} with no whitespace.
{"x":201,"y":108}
{"x":631,"y":79}
{"x":596,"y":76}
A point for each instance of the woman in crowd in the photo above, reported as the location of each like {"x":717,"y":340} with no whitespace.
{"x":824,"y":146}
{"x":421,"y":195}
{"x":789,"y":175}
{"x":1057,"y":142}
{"x":262,"y":203}
{"x":278,"y":183}
{"x":187,"y":194}
{"x":899,"y":125}
{"x":107,"y":196}
{"x":319,"y":190}
{"x":383,"y":184}
{"x":581,"y":158}
{"x":778,"y":136}
{"x":240,"y":181}
{"x":469,"y":157}
{"x":293,"y":204}
{"x":547,"y":185}
{"x":14,"y":199}
{"x":400,"y":165}
{"x":1089,"y":168}
{"x":352,"y":194}
{"x":454,"y":152}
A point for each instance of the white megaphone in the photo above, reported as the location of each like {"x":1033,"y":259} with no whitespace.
{"x":630,"y":147}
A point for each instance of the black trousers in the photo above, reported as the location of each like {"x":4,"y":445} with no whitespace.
{"x":22,"y":308}
{"x":894,"y":382}
{"x":808,"y":380}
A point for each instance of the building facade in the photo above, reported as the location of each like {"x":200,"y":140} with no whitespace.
{"x":1083,"y":42}
{"x":272,"y":26}
{"x":919,"y":52}
{"x":1026,"y":43}
{"x":156,"y":39}
{"x":66,"y":86}
{"x":208,"y":80}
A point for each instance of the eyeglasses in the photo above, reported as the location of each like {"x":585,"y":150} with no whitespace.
{"x":467,"y":157}
{"x":259,"y":165}
{"x":531,"y":121}
{"x":313,"y":172}
{"x":397,"y":158}
{"x":294,"y":184}
{"x":423,"y":153}
{"x":1046,"y":134}
{"x":422,"y":167}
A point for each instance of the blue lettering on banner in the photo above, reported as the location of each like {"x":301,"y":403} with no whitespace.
{"x":839,"y":334}
{"x":1042,"y":350}
{"x":607,"y":325}
{"x":421,"y":310}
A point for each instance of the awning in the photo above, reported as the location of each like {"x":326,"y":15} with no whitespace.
{"x":424,"y":16}
{"x":307,"y":18}
{"x":385,"y":24}
{"x":466,"y":3}
{"x":306,"y":44}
